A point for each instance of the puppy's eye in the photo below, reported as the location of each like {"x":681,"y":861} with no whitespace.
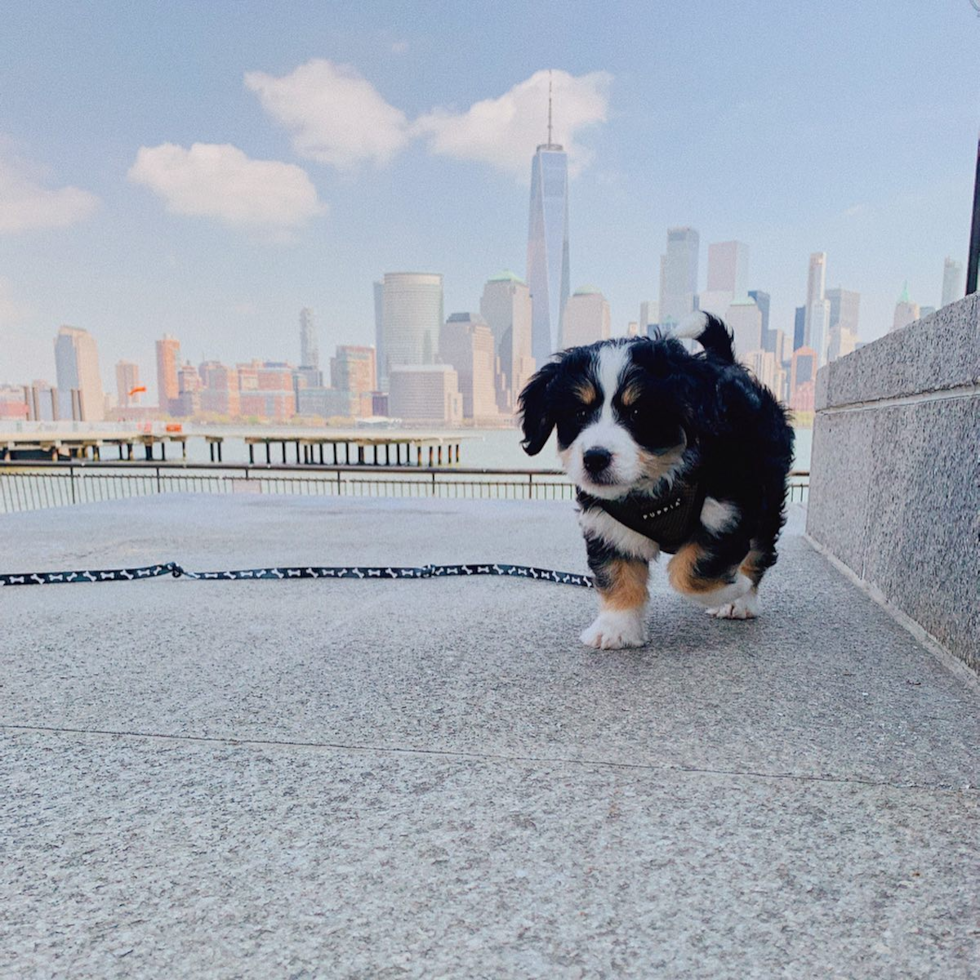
{"x":582,"y":414}
{"x":635,"y":413}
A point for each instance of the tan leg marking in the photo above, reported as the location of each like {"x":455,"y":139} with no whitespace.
{"x":628,"y":589}
{"x":751,"y":567}
{"x":680,"y":571}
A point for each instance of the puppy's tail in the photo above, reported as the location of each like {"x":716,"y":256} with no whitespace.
{"x":711,"y":333}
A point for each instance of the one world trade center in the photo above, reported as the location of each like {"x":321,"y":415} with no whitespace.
{"x":547,"y":247}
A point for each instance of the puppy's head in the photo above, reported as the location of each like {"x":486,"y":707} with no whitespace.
{"x":622,"y":411}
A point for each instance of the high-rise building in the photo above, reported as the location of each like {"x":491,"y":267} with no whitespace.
{"x":466,"y":345}
{"x":77,"y":363}
{"x":265,"y":390}
{"x":127,"y":378}
{"x":219,"y":389}
{"x":188,"y":400}
{"x":649,"y":317}
{"x":845,"y":306}
{"x":715,"y":301}
{"x":425,"y":393}
{"x":763,"y":364}
{"x":906,"y":311}
{"x":952,"y":281}
{"x":678,"y":276}
{"x":744,"y":319}
{"x":309,"y":349}
{"x":780,"y":346}
{"x":379,"y":302}
{"x":586,"y":317}
{"x":819,"y":327}
{"x":817,"y":315}
{"x":506,"y":307}
{"x":547,"y":247}
{"x":168,"y":363}
{"x":799,"y":327}
{"x":411,"y":318}
{"x":353,"y":369}
{"x":762,"y":300}
{"x":802,"y":379}
{"x":728,"y":267}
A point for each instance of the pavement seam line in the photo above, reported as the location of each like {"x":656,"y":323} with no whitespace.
{"x":483,"y":757}
{"x":952,"y":663}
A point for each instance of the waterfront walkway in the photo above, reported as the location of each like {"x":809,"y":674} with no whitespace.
{"x":435,"y":779}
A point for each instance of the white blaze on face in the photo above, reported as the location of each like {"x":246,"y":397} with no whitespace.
{"x":607,"y":433}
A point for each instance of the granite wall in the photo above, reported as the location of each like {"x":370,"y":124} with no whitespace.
{"x":895,"y":471}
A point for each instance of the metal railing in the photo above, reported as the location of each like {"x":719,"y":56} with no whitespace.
{"x":38,"y":485}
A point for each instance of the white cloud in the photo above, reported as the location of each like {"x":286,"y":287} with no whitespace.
{"x":505,"y":131}
{"x":217,"y":180}
{"x":334,"y":114}
{"x":25,"y":205}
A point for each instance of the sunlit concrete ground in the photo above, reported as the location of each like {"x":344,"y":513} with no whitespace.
{"x":435,"y":779}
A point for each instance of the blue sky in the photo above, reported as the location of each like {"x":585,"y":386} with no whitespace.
{"x":795,"y":127}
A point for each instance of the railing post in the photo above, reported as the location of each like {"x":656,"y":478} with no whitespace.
{"x":158,"y":480}
{"x":71,"y":481}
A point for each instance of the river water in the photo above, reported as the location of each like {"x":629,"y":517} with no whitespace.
{"x":479,"y":448}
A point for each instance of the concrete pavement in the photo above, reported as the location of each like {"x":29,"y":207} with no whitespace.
{"x":435,"y":779}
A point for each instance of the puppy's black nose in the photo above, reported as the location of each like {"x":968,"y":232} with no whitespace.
{"x":596,"y":459}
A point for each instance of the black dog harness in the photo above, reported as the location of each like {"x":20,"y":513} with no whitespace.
{"x":669,"y":520}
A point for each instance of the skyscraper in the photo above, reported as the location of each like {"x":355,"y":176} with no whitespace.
{"x":745,"y":320}
{"x":309,"y":350}
{"x":77,"y":363}
{"x":952,"y":281}
{"x":845,"y":305}
{"x":649,"y":317}
{"x":127,"y":378}
{"x":728,"y":267}
{"x":586,"y":317}
{"x":466,"y":345}
{"x":425,"y":393}
{"x":906,"y":311}
{"x":547,"y":246}
{"x":762,"y":301}
{"x":678,"y":276}
{"x":506,"y":307}
{"x":379,"y":359}
{"x":168,"y":363}
{"x":799,"y":327}
{"x":411,"y":318}
{"x":817,"y":313}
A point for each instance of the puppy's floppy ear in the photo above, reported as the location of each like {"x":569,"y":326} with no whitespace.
{"x":536,"y":406}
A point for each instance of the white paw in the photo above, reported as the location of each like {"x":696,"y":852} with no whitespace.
{"x":744,"y":607}
{"x":615,"y":630}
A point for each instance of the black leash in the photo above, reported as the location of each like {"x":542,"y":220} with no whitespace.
{"x":92,"y":576}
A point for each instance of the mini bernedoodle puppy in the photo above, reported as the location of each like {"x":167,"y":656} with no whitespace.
{"x":669,"y":451}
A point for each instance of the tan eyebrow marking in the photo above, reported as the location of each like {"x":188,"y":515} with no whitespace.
{"x":586,"y":391}
{"x":630,"y":394}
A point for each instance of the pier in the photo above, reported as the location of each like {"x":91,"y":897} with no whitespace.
{"x":307,"y":447}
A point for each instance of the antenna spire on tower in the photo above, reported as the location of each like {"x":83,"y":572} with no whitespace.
{"x":549,"y":107}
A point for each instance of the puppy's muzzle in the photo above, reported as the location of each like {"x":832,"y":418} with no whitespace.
{"x":596,"y":460}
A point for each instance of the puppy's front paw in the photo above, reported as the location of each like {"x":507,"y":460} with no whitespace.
{"x":744,"y":607}
{"x":615,"y":630}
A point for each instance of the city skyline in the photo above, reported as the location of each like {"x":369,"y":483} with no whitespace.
{"x":437,"y":177}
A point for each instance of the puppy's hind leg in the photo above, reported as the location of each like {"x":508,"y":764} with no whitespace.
{"x":707,"y":575}
{"x":621,"y":582}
